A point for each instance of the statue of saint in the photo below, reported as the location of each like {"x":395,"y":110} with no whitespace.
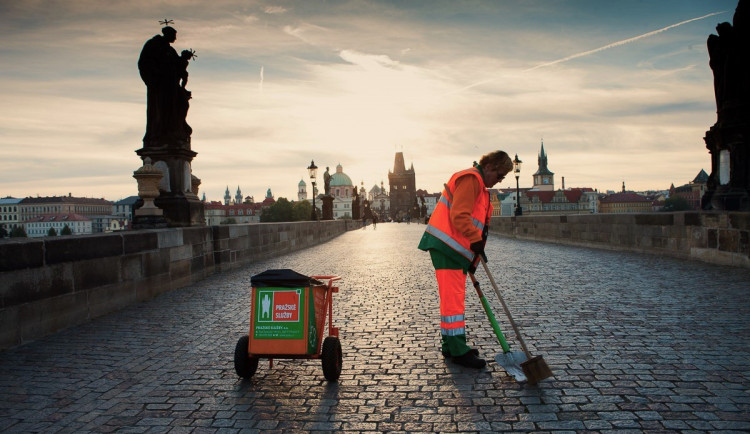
{"x":327,"y":182}
{"x":165,"y":74}
{"x":729,"y":62}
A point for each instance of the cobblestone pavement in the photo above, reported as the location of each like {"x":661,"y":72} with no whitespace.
{"x":636,"y":343}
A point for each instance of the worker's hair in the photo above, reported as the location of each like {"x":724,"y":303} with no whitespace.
{"x":497,"y":159}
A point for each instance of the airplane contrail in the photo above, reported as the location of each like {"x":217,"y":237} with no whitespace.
{"x":260,"y":84}
{"x":596,"y":50}
{"x":623,"y":42}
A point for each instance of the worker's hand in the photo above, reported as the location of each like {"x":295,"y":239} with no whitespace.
{"x":478,"y":248}
{"x":473,"y":265}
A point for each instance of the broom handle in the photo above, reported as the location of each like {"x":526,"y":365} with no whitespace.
{"x":505,"y":308}
{"x":490,"y":316}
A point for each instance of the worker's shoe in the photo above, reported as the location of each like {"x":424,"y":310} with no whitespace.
{"x":470,"y":360}
{"x":447,"y":353}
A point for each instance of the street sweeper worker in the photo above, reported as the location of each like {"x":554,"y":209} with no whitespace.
{"x":455,"y":237}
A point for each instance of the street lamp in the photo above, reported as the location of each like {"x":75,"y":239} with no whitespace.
{"x":313,"y":171}
{"x":517,"y":171}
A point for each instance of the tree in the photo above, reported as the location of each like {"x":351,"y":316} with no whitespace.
{"x":18,"y":232}
{"x":676,"y":203}
{"x":280,"y":211}
{"x":66,"y":230}
{"x":3,"y":232}
{"x":51,"y":232}
{"x":301,"y":211}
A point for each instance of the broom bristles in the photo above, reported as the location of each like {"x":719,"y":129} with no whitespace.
{"x":536,"y":369}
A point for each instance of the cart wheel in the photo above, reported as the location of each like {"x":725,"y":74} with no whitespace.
{"x":332,"y":358}
{"x":244,"y":365}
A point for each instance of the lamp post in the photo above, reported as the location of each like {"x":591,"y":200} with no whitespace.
{"x":517,"y":171}
{"x":313,"y":171}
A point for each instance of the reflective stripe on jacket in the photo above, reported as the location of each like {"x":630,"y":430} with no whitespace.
{"x":440,"y":225}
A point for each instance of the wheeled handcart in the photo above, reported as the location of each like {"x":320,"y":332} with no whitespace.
{"x":288,"y":313}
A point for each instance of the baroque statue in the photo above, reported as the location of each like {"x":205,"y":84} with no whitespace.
{"x":165,"y":74}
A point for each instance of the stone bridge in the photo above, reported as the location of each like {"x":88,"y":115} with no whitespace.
{"x":636,"y":343}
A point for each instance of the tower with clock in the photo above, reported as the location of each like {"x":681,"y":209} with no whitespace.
{"x":544,"y":180}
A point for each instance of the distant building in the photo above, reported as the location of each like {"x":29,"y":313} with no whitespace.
{"x":430,"y":200}
{"x":39,"y":226}
{"x":570,"y":201}
{"x":124,"y":209}
{"x":342,"y":207}
{"x":301,"y":190}
{"x":237,"y":197}
{"x":625,"y":202}
{"x":543,"y":199}
{"x":9,"y":213}
{"x":693,"y":191}
{"x":380,"y":202}
{"x":544,"y":180}
{"x":503,"y":202}
{"x":342,"y":190}
{"x":403,"y":188}
{"x":217,"y":213}
{"x":99,"y":211}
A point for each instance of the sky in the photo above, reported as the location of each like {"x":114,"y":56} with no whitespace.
{"x":618,"y":91}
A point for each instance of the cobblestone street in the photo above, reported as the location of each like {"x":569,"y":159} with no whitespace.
{"x":636,"y":343}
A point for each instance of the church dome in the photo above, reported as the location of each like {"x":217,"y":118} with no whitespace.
{"x":301,"y":183}
{"x":340,"y":179}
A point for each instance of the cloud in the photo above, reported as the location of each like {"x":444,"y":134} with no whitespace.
{"x":303,"y":32}
{"x":274,"y":10}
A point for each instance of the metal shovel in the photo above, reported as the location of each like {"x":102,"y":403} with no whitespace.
{"x":509,"y":360}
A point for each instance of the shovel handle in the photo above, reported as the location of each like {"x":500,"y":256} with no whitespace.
{"x":505,"y":308}
{"x":488,"y":311}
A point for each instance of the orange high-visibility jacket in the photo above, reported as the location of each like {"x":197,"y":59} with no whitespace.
{"x":440,"y":225}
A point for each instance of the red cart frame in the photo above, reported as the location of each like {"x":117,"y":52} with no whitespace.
{"x":328,"y":349}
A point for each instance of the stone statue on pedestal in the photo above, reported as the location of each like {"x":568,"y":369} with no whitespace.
{"x":167,"y":139}
{"x":327,"y":183}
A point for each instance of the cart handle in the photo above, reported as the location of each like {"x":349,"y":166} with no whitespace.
{"x":330,"y":278}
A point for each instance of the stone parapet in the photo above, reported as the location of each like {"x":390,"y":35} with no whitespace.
{"x":52,"y":283}
{"x":716,"y":237}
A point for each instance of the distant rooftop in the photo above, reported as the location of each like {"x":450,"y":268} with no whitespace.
{"x":130,"y":200}
{"x":65,"y":199}
{"x":60,"y":218}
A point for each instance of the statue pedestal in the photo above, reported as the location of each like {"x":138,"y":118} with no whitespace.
{"x":180,"y":204}
{"x":148,"y":222}
{"x":148,"y":216}
{"x":327,"y":207}
{"x":728,"y":187}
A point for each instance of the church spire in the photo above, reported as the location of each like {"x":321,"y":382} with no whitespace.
{"x":544,"y":179}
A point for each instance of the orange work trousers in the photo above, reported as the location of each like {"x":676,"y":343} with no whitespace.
{"x":452,"y":289}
